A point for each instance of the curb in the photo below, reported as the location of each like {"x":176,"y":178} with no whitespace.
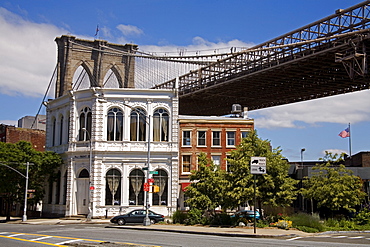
{"x":206,"y":233}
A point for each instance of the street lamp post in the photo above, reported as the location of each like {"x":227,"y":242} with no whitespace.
{"x":147,"y":121}
{"x":302,"y":150}
{"x":88,"y":218}
{"x":24,"y":217}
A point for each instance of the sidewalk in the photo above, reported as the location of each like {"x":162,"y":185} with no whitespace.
{"x":269,"y":232}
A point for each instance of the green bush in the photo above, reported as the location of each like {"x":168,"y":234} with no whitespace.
{"x":307,"y":229}
{"x":195,"y":216}
{"x":308,"y":222}
{"x":179,"y":217}
{"x":363,"y":217}
{"x":221,"y":219}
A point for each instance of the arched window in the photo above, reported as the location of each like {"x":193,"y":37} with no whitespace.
{"x":54,"y":131}
{"x":115,"y":125}
{"x":65,"y":188}
{"x":57,"y":189}
{"x":61,"y":131}
{"x":138,"y":125}
{"x":136,"y":193}
{"x":161,"y":180}
{"x":85,"y":122}
{"x":84,"y":174}
{"x":160,"y":125}
{"x":113,"y":187}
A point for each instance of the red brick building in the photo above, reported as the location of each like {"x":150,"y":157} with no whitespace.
{"x":215,"y":136}
{"x":12,"y":134}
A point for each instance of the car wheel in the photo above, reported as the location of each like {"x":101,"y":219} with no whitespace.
{"x":152,"y":221}
{"x":121,"y":222}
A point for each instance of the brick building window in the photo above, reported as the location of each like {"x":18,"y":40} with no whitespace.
{"x":230,"y":136}
{"x":244,"y":134}
{"x":216,"y":161}
{"x":186,"y":138}
{"x":186,"y":163}
{"x":216,"y":138}
{"x":201,"y":138}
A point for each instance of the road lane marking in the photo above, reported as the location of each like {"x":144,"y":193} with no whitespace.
{"x":69,"y":241}
{"x":339,"y":236}
{"x":41,"y":238}
{"x":356,"y":237}
{"x":26,"y":240}
{"x":16,"y":235}
{"x":291,"y":239}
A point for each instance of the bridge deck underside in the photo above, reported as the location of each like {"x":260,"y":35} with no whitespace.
{"x":306,"y":78}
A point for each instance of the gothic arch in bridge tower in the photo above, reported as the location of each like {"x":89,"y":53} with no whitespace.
{"x":97,"y":58}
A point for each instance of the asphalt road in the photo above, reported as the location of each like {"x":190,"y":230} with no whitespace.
{"x":20,"y":235}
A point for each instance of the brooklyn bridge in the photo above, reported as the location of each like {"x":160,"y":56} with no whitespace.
{"x":327,"y":57}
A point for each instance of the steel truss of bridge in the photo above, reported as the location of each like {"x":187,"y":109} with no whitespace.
{"x":327,"y":57}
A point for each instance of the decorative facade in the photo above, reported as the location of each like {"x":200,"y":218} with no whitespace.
{"x":112,"y":137}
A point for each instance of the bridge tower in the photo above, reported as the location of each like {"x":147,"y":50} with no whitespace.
{"x":97,"y":58}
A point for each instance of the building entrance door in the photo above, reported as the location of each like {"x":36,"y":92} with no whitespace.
{"x":82,"y":194}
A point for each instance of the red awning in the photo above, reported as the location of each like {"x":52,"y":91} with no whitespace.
{"x":184,"y":185}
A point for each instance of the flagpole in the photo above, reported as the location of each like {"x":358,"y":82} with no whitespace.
{"x":350,"y":142}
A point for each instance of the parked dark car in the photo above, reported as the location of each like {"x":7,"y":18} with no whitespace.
{"x":248,"y":214}
{"x":137,"y":216}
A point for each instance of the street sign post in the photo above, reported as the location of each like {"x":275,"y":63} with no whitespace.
{"x":258,"y":166}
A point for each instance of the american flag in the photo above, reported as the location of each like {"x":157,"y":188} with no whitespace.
{"x":344,"y":133}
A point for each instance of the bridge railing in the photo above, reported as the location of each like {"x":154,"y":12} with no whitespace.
{"x":310,"y":39}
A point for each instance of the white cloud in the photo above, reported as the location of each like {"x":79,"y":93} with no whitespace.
{"x":351,"y":107}
{"x":28,"y":55}
{"x":200,"y":46}
{"x":334,"y":151}
{"x":128,"y":30}
{"x":9,"y":122}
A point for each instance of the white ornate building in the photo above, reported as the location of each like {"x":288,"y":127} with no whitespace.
{"x":107,"y":133}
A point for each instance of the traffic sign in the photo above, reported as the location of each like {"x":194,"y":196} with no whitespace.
{"x":258,"y":165}
{"x":150,"y":180}
{"x":153,"y":172}
{"x":146,"y":186}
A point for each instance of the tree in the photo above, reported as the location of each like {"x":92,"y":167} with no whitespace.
{"x":207,"y":190}
{"x":14,"y":157}
{"x":274,"y":188}
{"x":333,"y":186}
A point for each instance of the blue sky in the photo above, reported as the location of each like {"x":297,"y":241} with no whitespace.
{"x":28,"y":56}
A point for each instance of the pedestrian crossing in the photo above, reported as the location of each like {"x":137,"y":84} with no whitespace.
{"x":52,"y":240}
{"x":338,"y":237}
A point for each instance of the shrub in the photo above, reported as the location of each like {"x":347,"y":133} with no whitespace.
{"x":284,"y":224}
{"x":195,"y":216}
{"x":363,"y":217}
{"x":179,"y":217}
{"x":307,"y":221}
{"x":307,"y":229}
{"x":221,"y":219}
